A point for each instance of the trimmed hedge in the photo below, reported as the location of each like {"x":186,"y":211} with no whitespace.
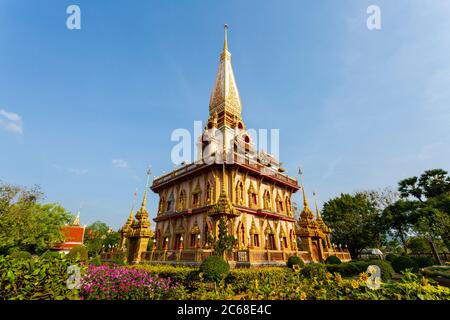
{"x":402,"y":263}
{"x":390,"y":256}
{"x":295,"y":260}
{"x":214,"y":268}
{"x":314,"y":270}
{"x":423,"y":262}
{"x":354,"y":268}
{"x":333,"y":260}
{"x":244,"y":279}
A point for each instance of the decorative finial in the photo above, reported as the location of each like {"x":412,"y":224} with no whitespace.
{"x":317,"y":207}
{"x":130,"y":219}
{"x":144,"y":200}
{"x":76,"y":221}
{"x":305,"y":201}
{"x":225,"y":42}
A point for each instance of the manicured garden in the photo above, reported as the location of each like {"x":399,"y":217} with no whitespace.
{"x":46,"y":277}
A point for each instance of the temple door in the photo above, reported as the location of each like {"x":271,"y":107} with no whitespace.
{"x":315,"y":251}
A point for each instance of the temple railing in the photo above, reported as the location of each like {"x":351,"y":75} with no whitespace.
{"x":248,"y":255}
{"x":342,"y":255}
{"x":188,"y":255}
{"x":240,"y":159}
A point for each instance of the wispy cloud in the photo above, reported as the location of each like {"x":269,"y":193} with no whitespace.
{"x":430,"y":151}
{"x":78,"y":172}
{"x":119,"y":163}
{"x":11,"y":121}
{"x":74,"y":171}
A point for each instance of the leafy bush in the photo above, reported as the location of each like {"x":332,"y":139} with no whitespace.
{"x":51,"y":255}
{"x":243,"y":279}
{"x":354,"y":268}
{"x":119,"y":259}
{"x":390,"y":256}
{"x":402,"y":263}
{"x":437,"y":271}
{"x":35,"y":279}
{"x":314,"y":270}
{"x":20,"y":255}
{"x":214,"y":268}
{"x":333,"y":260}
{"x":295,"y":260}
{"x":385,"y":268}
{"x":95,"y":261}
{"x":78,"y":253}
{"x":423,"y":262}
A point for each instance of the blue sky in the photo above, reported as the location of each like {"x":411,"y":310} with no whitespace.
{"x":358,"y":109}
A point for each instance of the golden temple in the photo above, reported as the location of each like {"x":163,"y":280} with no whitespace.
{"x":231,"y":181}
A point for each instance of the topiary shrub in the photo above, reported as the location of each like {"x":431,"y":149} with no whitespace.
{"x":385,"y":268}
{"x":314,"y":270}
{"x":78,"y":253}
{"x":390,"y":256}
{"x":294,"y":260}
{"x":402,"y":263}
{"x":214,"y":268}
{"x":20,"y":255}
{"x":333,"y":260}
{"x":423,"y":262}
{"x":354,"y":268}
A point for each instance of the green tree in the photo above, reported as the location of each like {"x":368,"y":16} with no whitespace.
{"x":99,"y":235}
{"x":432,"y":214}
{"x":26,"y":224}
{"x":354,"y":220}
{"x":418,"y":245}
{"x":431,"y":183}
{"x":224,"y":242}
{"x":398,"y":220}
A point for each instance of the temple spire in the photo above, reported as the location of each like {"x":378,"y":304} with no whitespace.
{"x":225,"y":95}
{"x":225,"y":41}
{"x":305,"y":201}
{"x":144,"y":200}
{"x":76,"y":221}
{"x":130,"y":218}
{"x":317,"y":207}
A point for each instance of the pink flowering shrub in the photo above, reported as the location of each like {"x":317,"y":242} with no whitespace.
{"x":120,"y":283}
